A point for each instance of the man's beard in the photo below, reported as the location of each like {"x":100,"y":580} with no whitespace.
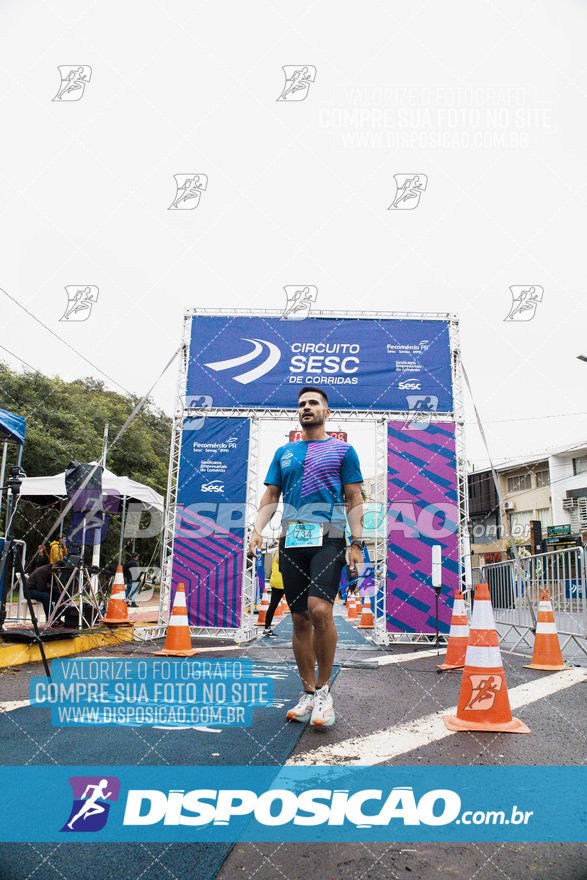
{"x":313,"y":420}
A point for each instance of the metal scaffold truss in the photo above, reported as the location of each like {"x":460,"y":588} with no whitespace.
{"x":257,"y":416}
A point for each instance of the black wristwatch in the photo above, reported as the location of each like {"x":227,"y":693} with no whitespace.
{"x":358,"y":543}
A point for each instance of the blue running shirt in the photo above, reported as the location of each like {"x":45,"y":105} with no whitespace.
{"x":311,"y":474}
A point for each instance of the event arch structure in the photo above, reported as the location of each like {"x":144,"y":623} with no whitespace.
{"x":240,"y":368}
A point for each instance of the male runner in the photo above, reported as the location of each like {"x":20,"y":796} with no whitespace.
{"x":318,"y":477}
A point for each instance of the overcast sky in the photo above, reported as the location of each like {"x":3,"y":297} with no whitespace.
{"x":485,"y":101}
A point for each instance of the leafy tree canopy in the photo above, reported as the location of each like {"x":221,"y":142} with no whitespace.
{"x":65,"y":421}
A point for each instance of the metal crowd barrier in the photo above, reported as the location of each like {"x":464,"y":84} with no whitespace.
{"x":515,"y":594}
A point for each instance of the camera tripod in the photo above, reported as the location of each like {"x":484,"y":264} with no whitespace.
{"x":13,"y":559}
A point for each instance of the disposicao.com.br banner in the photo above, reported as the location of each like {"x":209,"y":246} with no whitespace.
{"x":219,"y":804}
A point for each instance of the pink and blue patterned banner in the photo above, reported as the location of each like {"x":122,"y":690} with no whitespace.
{"x":422,"y":511}
{"x":210,"y":521}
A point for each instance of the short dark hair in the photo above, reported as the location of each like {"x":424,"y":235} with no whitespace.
{"x":314,"y":391}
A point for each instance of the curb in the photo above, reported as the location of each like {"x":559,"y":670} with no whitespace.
{"x":18,"y":653}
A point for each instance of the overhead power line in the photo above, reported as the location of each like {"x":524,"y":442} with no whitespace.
{"x":56,"y":335}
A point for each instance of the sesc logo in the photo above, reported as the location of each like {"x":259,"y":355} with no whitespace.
{"x":409,"y":386}
{"x":213,"y":486}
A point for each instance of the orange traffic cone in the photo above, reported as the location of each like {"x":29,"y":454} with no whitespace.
{"x":278,"y":612}
{"x":263,"y":610}
{"x":117,"y":613}
{"x":178,"y":642}
{"x":366,"y":615}
{"x":547,"y":650}
{"x":483,"y":701}
{"x":351,"y":611}
{"x":284,"y":605}
{"x":458,"y":635}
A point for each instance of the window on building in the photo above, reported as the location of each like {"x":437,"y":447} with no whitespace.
{"x":545,"y":517}
{"x":520,"y":523}
{"x":519,"y":483}
{"x":580,"y":465}
{"x":579,"y":515}
{"x":542,"y":479}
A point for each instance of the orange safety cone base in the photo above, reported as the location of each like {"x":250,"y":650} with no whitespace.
{"x":351,"y":612}
{"x":452,"y":722}
{"x":547,"y":653}
{"x":545,"y":667}
{"x":117,"y":611}
{"x":178,"y":640}
{"x":449,"y":666}
{"x":367,"y":616}
{"x":263,"y":610}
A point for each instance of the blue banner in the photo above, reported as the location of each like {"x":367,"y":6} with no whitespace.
{"x":354,"y":804}
{"x":361,"y":363}
{"x":210,"y":520}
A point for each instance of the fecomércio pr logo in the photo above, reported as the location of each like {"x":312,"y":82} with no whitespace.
{"x":92,"y":798}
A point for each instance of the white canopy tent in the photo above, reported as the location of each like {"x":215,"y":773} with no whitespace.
{"x":37,"y":488}
{"x":48,"y":490}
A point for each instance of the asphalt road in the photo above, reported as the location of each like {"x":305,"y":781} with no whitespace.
{"x":394,"y":697}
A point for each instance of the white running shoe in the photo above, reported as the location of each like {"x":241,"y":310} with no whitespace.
{"x":323,"y":711}
{"x":303,"y":709}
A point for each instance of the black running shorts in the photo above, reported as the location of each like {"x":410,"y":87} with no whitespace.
{"x":311,"y":571}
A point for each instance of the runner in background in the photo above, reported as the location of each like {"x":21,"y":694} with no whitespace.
{"x":276,"y":584}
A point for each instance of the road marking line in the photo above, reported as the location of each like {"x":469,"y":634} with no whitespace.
{"x":10,"y":705}
{"x":402,"y":658}
{"x":383,"y":745}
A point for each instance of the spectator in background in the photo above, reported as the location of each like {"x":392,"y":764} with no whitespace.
{"x":132,"y":570}
{"x":57,"y":551}
{"x":40,"y":558}
{"x":39,"y":585}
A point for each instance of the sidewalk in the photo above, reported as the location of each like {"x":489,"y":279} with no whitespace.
{"x":62,"y":642}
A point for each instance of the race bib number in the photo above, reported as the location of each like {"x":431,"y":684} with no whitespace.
{"x":304,"y":535}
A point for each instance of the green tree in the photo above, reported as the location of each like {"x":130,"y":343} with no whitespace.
{"x":64,"y":422}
